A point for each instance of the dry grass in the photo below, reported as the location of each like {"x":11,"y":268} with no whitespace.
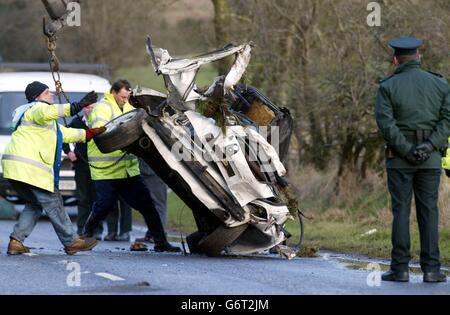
{"x":444,"y":203}
{"x":339,"y":221}
{"x":313,"y":189}
{"x":366,"y":201}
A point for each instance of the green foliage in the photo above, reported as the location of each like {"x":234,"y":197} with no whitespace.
{"x":289,"y":198}
{"x":143,"y":76}
{"x":179,"y":216}
{"x":214,"y":110}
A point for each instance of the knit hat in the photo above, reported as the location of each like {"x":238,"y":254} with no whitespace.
{"x":34,"y":89}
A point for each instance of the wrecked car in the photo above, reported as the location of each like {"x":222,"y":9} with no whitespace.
{"x":220,"y":149}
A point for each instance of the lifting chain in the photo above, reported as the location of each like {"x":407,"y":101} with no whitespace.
{"x":54,"y":68}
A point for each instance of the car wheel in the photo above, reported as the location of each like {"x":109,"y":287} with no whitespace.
{"x":214,"y":243}
{"x":193,"y":240}
{"x":121,"y":132}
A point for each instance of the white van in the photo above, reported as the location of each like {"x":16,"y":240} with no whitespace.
{"x":12,"y":95}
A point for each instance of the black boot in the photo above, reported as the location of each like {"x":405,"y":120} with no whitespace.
{"x":434,"y":277}
{"x":396,"y":276}
{"x":166,"y":247}
{"x":91,"y":226}
{"x":155,"y":226}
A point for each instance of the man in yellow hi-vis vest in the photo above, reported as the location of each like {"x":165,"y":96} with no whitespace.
{"x":446,"y":160}
{"x":32,"y":160}
{"x":117,"y":175}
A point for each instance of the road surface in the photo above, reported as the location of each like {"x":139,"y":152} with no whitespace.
{"x":112,"y":269}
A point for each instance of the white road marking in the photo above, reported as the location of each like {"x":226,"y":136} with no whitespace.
{"x":109,"y":276}
{"x":30,"y":254}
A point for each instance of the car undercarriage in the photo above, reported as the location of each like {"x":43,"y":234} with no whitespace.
{"x":220,"y":149}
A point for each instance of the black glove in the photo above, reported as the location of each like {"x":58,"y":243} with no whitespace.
{"x":413,"y":158}
{"x":447,"y":172}
{"x":87,"y":100}
{"x":425,"y":147}
{"x":424,"y":150}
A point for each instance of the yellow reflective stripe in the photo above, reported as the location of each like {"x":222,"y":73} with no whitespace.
{"x":111,"y":158}
{"x":61,"y":111}
{"x":8,"y":157}
{"x":30,"y":123}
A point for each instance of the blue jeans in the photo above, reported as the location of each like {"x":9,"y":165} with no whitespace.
{"x":135,"y":194}
{"x":36,"y":201}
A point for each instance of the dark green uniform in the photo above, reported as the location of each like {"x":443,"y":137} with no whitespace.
{"x":413,"y":106}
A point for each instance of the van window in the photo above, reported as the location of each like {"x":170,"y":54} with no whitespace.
{"x":9,"y":101}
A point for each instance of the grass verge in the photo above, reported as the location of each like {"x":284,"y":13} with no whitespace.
{"x":343,"y":233}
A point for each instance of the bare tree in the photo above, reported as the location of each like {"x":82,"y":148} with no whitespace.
{"x":322,"y":60}
{"x":222,"y":21}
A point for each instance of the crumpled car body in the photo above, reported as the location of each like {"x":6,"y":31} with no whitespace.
{"x":231,"y":176}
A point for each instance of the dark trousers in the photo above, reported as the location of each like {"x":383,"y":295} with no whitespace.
{"x":424,"y":183}
{"x":86,"y":197}
{"x":120,"y":217}
{"x":158,"y":191}
{"x":135,"y":194}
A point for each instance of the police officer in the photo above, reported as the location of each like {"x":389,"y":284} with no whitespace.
{"x":32,"y":160}
{"x":413,"y":115}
